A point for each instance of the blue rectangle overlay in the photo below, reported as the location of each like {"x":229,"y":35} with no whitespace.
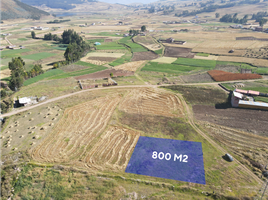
{"x":166,"y":158}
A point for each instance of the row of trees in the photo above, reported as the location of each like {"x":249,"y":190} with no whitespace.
{"x":54,"y":37}
{"x":35,"y":71}
{"x":234,"y":19}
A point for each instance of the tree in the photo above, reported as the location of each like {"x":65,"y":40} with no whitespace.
{"x":111,"y":75}
{"x":143,"y":28}
{"x":33,"y":34}
{"x":17,"y":72}
{"x":217,"y":15}
{"x":262,"y":22}
{"x":48,"y":36}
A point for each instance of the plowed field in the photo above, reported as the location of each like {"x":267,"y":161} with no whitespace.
{"x":219,"y":75}
{"x":84,"y":138}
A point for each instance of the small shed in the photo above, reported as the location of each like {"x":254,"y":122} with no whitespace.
{"x":25,"y":101}
{"x":170,"y":40}
{"x":97,"y":43}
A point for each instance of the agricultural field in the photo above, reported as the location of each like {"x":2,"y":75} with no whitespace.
{"x":219,"y":75}
{"x":76,"y":144}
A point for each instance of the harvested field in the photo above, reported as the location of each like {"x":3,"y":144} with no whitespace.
{"x":148,"y":55}
{"x":168,"y":60}
{"x":152,"y":102}
{"x":100,"y":60}
{"x":82,"y":137}
{"x":71,"y":68}
{"x":197,"y":78}
{"x":130,"y":66}
{"x":254,"y":121}
{"x":98,"y":54}
{"x":76,"y":137}
{"x":105,"y":74}
{"x":249,"y":149}
{"x":253,"y":61}
{"x":215,"y":51}
{"x":210,"y":57}
{"x":251,"y":38}
{"x":148,"y":42}
{"x":219,"y":75}
{"x":5,"y":73}
{"x":178,"y":52}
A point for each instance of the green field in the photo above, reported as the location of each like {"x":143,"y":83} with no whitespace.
{"x":22,"y":39}
{"x":13,"y":53}
{"x":43,"y":76}
{"x":38,"y":56}
{"x":80,"y":72}
{"x":167,"y":68}
{"x":136,"y":47}
{"x":110,"y":45}
{"x":125,"y":58}
{"x":125,"y":40}
{"x":261,"y":70}
{"x":106,"y":34}
{"x":4,"y":67}
{"x":159,"y":52}
{"x":207,"y":64}
{"x":96,"y":40}
{"x":239,"y":64}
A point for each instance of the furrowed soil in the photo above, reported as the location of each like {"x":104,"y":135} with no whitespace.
{"x":148,"y":55}
{"x":248,"y":148}
{"x":178,"y":52}
{"x":201,"y":95}
{"x":197,"y":78}
{"x":254,"y":121}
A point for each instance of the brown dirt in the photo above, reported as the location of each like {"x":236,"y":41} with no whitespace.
{"x":219,"y":75}
{"x":105,"y":74}
{"x":108,"y":40}
{"x":197,"y":78}
{"x":108,"y":59}
{"x":254,"y":121}
{"x":71,"y":68}
{"x":178,"y":52}
{"x":137,"y":56}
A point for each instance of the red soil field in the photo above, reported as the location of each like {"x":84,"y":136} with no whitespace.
{"x":219,"y":75}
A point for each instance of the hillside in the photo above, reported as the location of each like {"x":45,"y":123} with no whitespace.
{"x":12,"y":9}
{"x":62,"y":4}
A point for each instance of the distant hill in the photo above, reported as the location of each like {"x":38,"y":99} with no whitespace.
{"x":12,"y":9}
{"x":63,"y":4}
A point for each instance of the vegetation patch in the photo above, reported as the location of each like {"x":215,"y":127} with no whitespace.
{"x":203,"y":54}
{"x":43,"y":76}
{"x":110,"y":45}
{"x":207,"y":64}
{"x":38,"y":56}
{"x":13,"y":53}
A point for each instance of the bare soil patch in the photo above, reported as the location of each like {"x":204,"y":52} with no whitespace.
{"x":105,"y":74}
{"x":254,"y":121}
{"x":219,"y":75}
{"x":108,"y":40}
{"x":71,"y":68}
{"x":148,"y":55}
{"x":107,"y":59}
{"x":178,"y":52}
{"x":197,"y":78}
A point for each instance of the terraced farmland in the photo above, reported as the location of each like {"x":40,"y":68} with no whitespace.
{"x":84,"y":138}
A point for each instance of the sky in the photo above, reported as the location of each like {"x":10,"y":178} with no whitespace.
{"x":128,"y":1}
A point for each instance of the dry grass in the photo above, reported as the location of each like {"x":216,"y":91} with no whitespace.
{"x":164,"y":60}
{"x":254,"y":61}
{"x":210,"y":57}
{"x":5,"y":73}
{"x":131,"y":66}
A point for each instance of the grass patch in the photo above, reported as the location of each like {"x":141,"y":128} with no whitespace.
{"x":124,"y":59}
{"x":7,"y":79}
{"x":159,"y":51}
{"x":203,"y":54}
{"x":110,"y":45}
{"x":47,"y":74}
{"x":4,"y":67}
{"x":207,"y":64}
{"x":167,"y":68}
{"x":136,"y":47}
{"x":38,"y":56}
{"x":262,"y":70}
{"x":22,"y":39}
{"x":105,"y":34}
{"x":96,"y":40}
{"x":79,"y":73}
{"x":13,"y":53}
